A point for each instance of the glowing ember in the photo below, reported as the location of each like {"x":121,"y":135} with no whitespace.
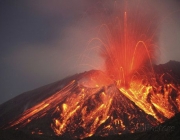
{"x":125,"y":98}
{"x":128,"y":49}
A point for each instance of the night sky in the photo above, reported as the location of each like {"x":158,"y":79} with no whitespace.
{"x":43,"y":41}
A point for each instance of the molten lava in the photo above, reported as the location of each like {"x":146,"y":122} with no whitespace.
{"x":126,"y":98}
{"x":128,"y":49}
{"x":81,"y":111}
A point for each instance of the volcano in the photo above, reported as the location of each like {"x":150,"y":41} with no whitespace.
{"x":92,"y":104}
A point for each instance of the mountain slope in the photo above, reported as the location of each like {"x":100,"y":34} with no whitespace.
{"x":92,"y":104}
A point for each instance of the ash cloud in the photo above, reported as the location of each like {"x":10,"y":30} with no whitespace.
{"x":43,"y":41}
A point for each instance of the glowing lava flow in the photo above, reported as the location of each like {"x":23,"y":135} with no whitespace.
{"x":80,"y":111}
{"x":156,"y":103}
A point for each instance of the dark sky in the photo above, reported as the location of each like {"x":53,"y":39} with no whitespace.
{"x":42,"y":41}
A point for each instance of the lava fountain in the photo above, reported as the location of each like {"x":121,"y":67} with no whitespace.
{"x":129,"y":49}
{"x":124,"y":99}
{"x":129,"y":45}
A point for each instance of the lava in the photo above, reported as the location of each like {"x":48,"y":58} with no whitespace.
{"x":125,"y":98}
{"x":81,"y":111}
{"x":128,"y":47}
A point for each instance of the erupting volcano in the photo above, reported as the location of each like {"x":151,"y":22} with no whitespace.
{"x":129,"y":95}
